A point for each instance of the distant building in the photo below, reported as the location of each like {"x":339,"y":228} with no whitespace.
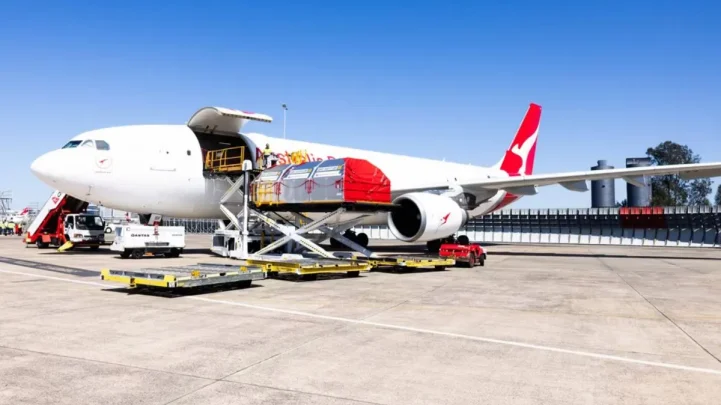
{"x":603,"y":192}
{"x":638,"y":196}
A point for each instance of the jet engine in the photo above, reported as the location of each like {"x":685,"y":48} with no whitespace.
{"x":424,"y":216}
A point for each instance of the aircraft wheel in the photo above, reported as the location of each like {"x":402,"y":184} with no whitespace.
{"x":362,"y":239}
{"x":433,"y":246}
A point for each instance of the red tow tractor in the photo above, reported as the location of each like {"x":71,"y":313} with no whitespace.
{"x":471,"y":254}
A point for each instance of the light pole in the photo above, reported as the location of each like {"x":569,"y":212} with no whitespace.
{"x":285,"y":109}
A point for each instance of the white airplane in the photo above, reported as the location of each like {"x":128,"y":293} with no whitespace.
{"x":159,"y":169}
{"x":18,"y":217}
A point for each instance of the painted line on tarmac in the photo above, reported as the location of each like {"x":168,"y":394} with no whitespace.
{"x":417,"y":330}
{"x":20,"y":273}
{"x":49,"y":267}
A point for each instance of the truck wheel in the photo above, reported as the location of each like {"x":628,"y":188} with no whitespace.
{"x":41,"y":245}
{"x":125,"y":254}
{"x":174,"y":253}
{"x":137,"y":253}
{"x":471,"y":260}
{"x":482,"y":262}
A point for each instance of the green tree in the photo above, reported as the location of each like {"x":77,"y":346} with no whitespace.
{"x":671,"y":189}
{"x":717,"y":200}
{"x":699,"y":190}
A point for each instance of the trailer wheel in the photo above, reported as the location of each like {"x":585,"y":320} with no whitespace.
{"x":353,"y":273}
{"x":94,"y":247}
{"x":137,"y":253}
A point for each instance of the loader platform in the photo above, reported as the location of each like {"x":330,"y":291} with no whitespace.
{"x":199,"y":275}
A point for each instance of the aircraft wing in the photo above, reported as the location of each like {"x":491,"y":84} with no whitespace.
{"x":576,"y":181}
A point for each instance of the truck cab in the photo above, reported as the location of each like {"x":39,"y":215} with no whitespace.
{"x":84,"y":229}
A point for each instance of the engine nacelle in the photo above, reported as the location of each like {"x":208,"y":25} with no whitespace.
{"x":425,"y":216}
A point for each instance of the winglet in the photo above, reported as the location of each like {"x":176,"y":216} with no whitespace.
{"x":519,"y":157}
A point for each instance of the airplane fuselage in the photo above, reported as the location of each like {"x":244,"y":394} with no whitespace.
{"x":159,"y":169}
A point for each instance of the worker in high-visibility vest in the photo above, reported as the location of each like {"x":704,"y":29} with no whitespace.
{"x":267,"y":153}
{"x":3,"y":225}
{"x":9,"y":228}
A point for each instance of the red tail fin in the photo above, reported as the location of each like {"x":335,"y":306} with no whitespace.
{"x":522,"y":152}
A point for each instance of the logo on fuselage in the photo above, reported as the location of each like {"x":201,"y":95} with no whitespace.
{"x":103,"y":163}
{"x":292,"y":157}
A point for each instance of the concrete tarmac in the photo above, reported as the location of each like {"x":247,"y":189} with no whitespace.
{"x":536,"y":325}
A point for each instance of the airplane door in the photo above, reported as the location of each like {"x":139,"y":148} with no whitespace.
{"x":164,"y":161}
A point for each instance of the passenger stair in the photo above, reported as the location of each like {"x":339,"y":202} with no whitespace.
{"x":49,"y":220}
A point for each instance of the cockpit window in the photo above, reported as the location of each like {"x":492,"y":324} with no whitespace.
{"x":102,"y":145}
{"x":71,"y":144}
{"x":88,"y":144}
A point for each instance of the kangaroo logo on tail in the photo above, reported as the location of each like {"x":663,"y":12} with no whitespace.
{"x":522,"y":152}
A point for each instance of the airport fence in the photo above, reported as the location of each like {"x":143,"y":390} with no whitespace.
{"x":652,"y":226}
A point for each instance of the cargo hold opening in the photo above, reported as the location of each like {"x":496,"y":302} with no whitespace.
{"x":218,"y":131}
{"x":215,"y":142}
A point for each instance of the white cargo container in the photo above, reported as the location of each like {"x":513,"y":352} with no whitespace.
{"x":136,"y":240}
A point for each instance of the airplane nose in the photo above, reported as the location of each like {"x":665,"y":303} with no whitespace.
{"x":43,"y":167}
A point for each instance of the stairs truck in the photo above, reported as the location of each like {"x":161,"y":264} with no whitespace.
{"x":63,"y":222}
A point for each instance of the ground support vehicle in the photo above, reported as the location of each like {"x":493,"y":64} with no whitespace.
{"x":471,"y":254}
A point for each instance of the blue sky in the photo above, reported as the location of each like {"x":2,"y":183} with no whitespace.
{"x":435,"y":79}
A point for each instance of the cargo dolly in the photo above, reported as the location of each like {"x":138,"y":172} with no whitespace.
{"x":307,"y":268}
{"x":399,"y":263}
{"x":199,"y":275}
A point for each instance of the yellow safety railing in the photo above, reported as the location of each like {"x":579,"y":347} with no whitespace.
{"x":225,"y":160}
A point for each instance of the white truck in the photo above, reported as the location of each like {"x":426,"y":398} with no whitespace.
{"x":84,"y":229}
{"x":136,"y":241}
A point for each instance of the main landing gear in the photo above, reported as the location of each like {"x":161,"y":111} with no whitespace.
{"x":434,"y":246}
